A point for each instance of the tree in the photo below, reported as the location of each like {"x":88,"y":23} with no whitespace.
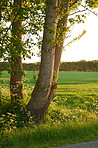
{"x":40,"y":95}
{"x":22,"y":20}
{"x":50,"y":57}
{"x":47,"y":80}
{"x":16,"y":88}
{"x":55,"y":29}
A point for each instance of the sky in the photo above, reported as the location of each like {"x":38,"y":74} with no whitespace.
{"x":87,"y":47}
{"x":84,"y":49}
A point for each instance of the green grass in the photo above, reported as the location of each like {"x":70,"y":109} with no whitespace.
{"x":45,"y":136}
{"x":77,"y":77}
{"x":71,"y":117}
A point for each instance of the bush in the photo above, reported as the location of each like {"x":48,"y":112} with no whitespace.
{"x":12,"y":116}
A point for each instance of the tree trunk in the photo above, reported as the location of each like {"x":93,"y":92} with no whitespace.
{"x":62,"y":23}
{"x":60,"y":37}
{"x":39,"y":98}
{"x":0,"y":55}
{"x":16,"y":88}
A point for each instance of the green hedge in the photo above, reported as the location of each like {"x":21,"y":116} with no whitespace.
{"x":65,"y":66}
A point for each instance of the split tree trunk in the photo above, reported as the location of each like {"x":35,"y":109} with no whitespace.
{"x":16,"y":88}
{"x":62,"y":23}
{"x":39,"y":98}
{"x":60,"y":37}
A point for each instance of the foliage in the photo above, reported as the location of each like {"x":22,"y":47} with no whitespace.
{"x":12,"y":116}
{"x":32,"y":17}
{"x":71,"y":116}
{"x":0,"y":90}
{"x":80,"y":66}
{"x":9,"y":41}
{"x":92,"y":3}
{"x":31,"y":14}
{"x":64,"y":66}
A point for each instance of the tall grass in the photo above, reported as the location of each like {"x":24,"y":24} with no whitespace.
{"x":71,"y":117}
{"x":44,"y":136}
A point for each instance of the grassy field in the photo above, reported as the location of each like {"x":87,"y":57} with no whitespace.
{"x":71,"y":117}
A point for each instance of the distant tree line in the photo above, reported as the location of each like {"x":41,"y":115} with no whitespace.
{"x":80,"y":66}
{"x":65,"y":66}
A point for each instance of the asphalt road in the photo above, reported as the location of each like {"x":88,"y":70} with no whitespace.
{"x":90,"y":144}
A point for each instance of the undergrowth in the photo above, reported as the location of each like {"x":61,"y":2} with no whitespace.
{"x":71,"y":117}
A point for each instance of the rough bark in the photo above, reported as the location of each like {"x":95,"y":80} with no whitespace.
{"x":37,"y":104}
{"x":0,"y":56}
{"x":16,"y":88}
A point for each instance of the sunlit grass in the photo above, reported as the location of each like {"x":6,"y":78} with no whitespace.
{"x":44,"y":136}
{"x":83,"y":96}
{"x":71,"y":117}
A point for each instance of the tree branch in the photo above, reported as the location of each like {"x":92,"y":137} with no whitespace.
{"x":73,"y":3}
{"x":78,"y":11}
{"x":90,"y":10}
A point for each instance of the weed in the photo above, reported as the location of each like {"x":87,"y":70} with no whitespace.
{"x":71,"y":117}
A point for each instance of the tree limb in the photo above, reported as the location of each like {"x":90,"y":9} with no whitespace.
{"x":77,"y":12}
{"x":90,"y":10}
{"x":73,"y":3}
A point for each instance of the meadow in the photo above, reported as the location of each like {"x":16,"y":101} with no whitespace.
{"x":71,"y":117}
